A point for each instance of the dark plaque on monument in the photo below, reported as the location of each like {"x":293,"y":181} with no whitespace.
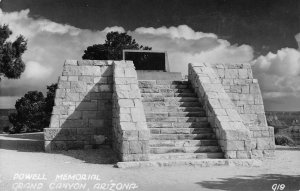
{"x":147,"y":59}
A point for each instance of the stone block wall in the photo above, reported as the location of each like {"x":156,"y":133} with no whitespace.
{"x":99,"y":102}
{"x":82,"y":113}
{"x":236,"y":82}
{"x":244,"y":91}
{"x":130,"y":132}
{"x":232,"y":134}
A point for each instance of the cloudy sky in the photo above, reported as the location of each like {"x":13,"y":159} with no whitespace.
{"x":261,"y":32}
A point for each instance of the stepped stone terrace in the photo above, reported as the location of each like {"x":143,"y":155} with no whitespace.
{"x":217,"y":113}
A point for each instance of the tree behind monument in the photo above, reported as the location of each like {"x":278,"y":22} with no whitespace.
{"x":112,"y":48}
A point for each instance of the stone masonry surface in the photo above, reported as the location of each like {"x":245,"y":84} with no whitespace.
{"x":233,"y":136}
{"x":244,"y":91}
{"x":82,"y":113}
{"x":130,"y":132}
{"x":179,"y":128}
{"x":233,"y":100}
{"x":99,"y":102}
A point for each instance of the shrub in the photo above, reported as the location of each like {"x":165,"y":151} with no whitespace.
{"x":33,"y":111}
{"x":30,"y":114}
{"x":6,"y":129}
{"x":284,"y":140}
{"x":276,"y":130}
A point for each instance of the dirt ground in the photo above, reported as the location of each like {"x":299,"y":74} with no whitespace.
{"x":50,"y":170}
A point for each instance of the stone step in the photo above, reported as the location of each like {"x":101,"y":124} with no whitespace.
{"x":164,"y":86}
{"x":165,"y":90}
{"x":183,"y":136}
{"x":175,"y":114}
{"x":169,"y":99}
{"x":163,"y":82}
{"x":158,"y":75}
{"x":171,"y":94}
{"x":181,"y":143}
{"x":180,"y":130}
{"x":172,"y":109}
{"x":178,"y":156}
{"x":192,"y":162}
{"x":176,"y":119}
{"x":174,"y":82}
{"x":202,"y":149}
{"x":171,"y":104}
{"x":165,"y":124}
{"x":181,"y":99}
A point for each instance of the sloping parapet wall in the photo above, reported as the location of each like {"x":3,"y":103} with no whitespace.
{"x":244,"y":91}
{"x":234,"y":105}
{"x":99,"y":102}
{"x":232,"y":135}
{"x":82,"y":113}
{"x":130,"y":132}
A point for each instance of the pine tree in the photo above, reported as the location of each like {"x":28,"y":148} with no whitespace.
{"x":11,"y":63}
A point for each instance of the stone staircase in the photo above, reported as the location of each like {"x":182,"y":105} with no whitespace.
{"x":178,"y":124}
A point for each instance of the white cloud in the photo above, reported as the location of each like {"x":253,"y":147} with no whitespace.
{"x":182,"y":31}
{"x":19,"y":21}
{"x":35,"y":70}
{"x":184,"y":45}
{"x":279,"y":78}
{"x":286,"y":62}
{"x":50,"y":43}
{"x":115,"y":28}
